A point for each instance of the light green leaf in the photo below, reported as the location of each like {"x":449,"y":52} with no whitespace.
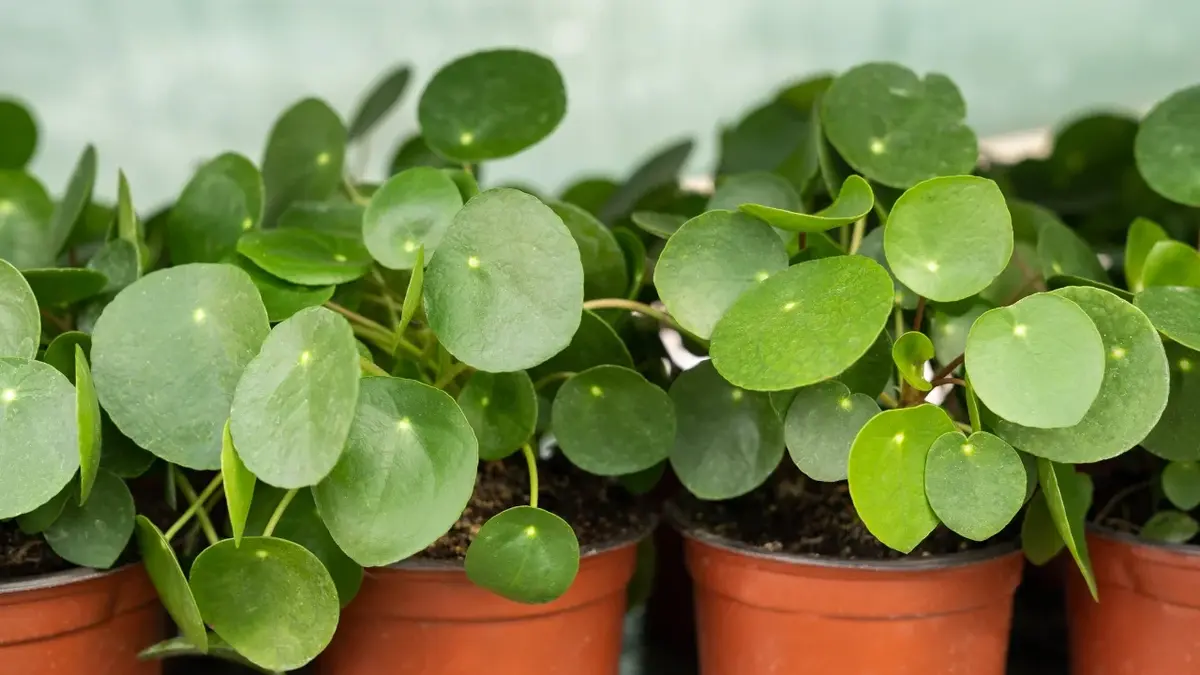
{"x":491,"y":104}
{"x":710,"y":262}
{"x":379,"y":101}
{"x":1039,"y":362}
{"x":87,"y":417}
{"x":896,"y":128}
{"x":659,"y":170}
{"x":502,"y":409}
{"x":294,"y":403}
{"x":1133,"y":392}
{"x":1062,"y":252}
{"x":412,"y":293}
{"x":910,"y":353}
{"x":1171,"y":263}
{"x":1170,"y":527}
{"x":1175,"y":311}
{"x":219,"y":203}
{"x":589,"y":193}
{"x":171,"y":584}
{"x":887,"y":474}
{"x":304,"y":156}
{"x":505,"y":290}
{"x":948,"y":238}
{"x":821,"y":424}
{"x":854,"y":201}
{"x":25,"y":210}
{"x":1143,"y":235}
{"x":1181,"y":484}
{"x":129,"y":227}
{"x":611,"y":421}
{"x":1175,"y":436}
{"x":1167,"y":148}
{"x":295,"y":605}
{"x":1068,"y":496}
{"x":604,"y":273}
{"x":949,"y":326}
{"x":524,"y":554}
{"x":18,"y":134}
{"x":167,"y":354}
{"x":58,"y":286}
{"x":411,"y":210}
{"x":238,"y":484}
{"x":728,"y":440}
{"x":1039,"y":535}
{"x":20,"y":321}
{"x":281,"y":298}
{"x":70,"y":208}
{"x":803,"y":325}
{"x":95,"y":534}
{"x":661,"y":225}
{"x":39,"y":444}
{"x":410,"y":458}
{"x":975,"y":485}
{"x":306,"y":257}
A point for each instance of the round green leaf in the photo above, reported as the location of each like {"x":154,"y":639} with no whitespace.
{"x":87,"y":418}
{"x":871,"y":373}
{"x":18,"y":135}
{"x":949,"y":326}
{"x":271,"y":599}
{"x":413,"y":151}
{"x":1174,"y":310}
{"x":604,"y":273}
{"x":306,"y":257}
{"x":1181,"y":484}
{"x":661,"y":225}
{"x":589,"y":193}
{"x":710,"y":262}
{"x":96,"y":533}
{"x":728,"y":440}
{"x":282,"y":299}
{"x":411,"y":210}
{"x":910,"y":353}
{"x":821,"y":424}
{"x":1062,"y":252}
{"x":872,"y":247}
{"x":948,"y":238}
{"x":344,"y":219}
{"x":1133,"y":392}
{"x":896,"y":128}
{"x":595,"y":343}
{"x":1039,"y":537}
{"x":1167,"y":148}
{"x":167,"y":354}
{"x":1143,"y":235}
{"x":491,"y":104}
{"x":1174,"y":437}
{"x":20,"y":321}
{"x":803,"y":325}
{"x":854,"y":201}
{"x":1170,"y":527}
{"x":468,"y":187}
{"x":887,"y":473}
{"x":120,"y":262}
{"x":25,"y":209}
{"x":238,"y":484}
{"x":524,"y":554}
{"x":37,"y":520}
{"x":410,"y":458}
{"x":611,"y":421}
{"x":304,"y":156}
{"x":61,"y":352}
{"x":70,"y":208}
{"x":293,"y":406}
{"x":57,"y":286}
{"x":121,"y":456}
{"x":214,"y":210}
{"x":169,"y":581}
{"x":1068,"y":498}
{"x":975,"y":485}
{"x":502,"y":409}
{"x":379,"y":101}
{"x":505,"y":290}
{"x":39,"y":443}
{"x":1039,"y":362}
{"x":661,"y":169}
{"x":761,"y":188}
{"x":1171,"y":263}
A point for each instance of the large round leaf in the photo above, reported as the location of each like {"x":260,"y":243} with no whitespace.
{"x":1170,"y":527}
{"x":896,"y":128}
{"x":167,"y":354}
{"x":604,"y":273}
{"x":20,"y":322}
{"x":728,"y":440}
{"x":502,"y":409}
{"x":524,"y":554}
{"x":595,"y":343}
{"x":283,"y":298}
{"x":304,"y":156}
{"x":410,"y":458}
{"x":39,"y":446}
{"x":293,"y":406}
{"x":1133,"y":393}
{"x":505,"y":290}
{"x":887,"y":473}
{"x":75,"y":199}
{"x":306,"y":257}
{"x":411,"y":210}
{"x":1174,"y":310}
{"x":707,"y":265}
{"x":1167,"y":148}
{"x":219,"y":203}
{"x":1038,"y":362}
{"x":25,"y":210}
{"x":821,"y":424}
{"x":611,"y":421}
{"x":57,"y":286}
{"x":491,"y":104}
{"x":803,"y":325}
{"x":270,"y":599}
{"x":18,"y":135}
{"x":96,"y":533}
{"x":854,"y":201}
{"x":1175,"y":436}
{"x":948,"y":238}
{"x":975,"y":485}
{"x":172,"y":586}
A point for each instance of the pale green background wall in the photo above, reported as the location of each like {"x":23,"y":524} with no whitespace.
{"x":160,"y":84}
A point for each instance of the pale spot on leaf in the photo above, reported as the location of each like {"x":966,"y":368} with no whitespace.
{"x":1057,"y":268}
{"x":596,"y":391}
{"x":305,"y":357}
{"x":968,"y":449}
{"x":9,"y":395}
{"x":261,"y":554}
{"x":898,"y":439}
{"x":199,"y":315}
{"x":789,"y":306}
{"x":844,"y":403}
{"x":410,"y":246}
{"x":485,"y":401}
{"x":1020,"y":330}
{"x":323,"y":159}
{"x":737,"y":395}
{"x":531,"y":532}
{"x":6,"y":207}
{"x":1118,"y":352}
{"x":1185,"y":365}
{"x":932,"y":266}
{"x":466,"y":138}
{"x":403,"y":424}
{"x":339,"y":257}
{"x":878,"y":147}
{"x":761,"y":276}
{"x":473,"y":262}
{"x":247,"y":223}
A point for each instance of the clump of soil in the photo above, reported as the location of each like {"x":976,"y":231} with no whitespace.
{"x":796,"y":515}
{"x":599,"y":509}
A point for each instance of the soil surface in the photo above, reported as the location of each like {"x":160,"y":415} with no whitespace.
{"x":796,"y":515}
{"x":599,"y":509}
{"x":1126,"y":491}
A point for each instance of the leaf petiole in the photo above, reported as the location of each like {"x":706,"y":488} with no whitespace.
{"x":531,"y":461}
{"x":278,"y":514}
{"x":196,"y":504}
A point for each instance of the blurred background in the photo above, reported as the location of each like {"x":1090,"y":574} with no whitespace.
{"x":160,"y":85}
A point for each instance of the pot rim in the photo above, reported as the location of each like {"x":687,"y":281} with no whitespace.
{"x":675,"y":517}
{"x":414,"y":564}
{"x":57,"y":579}
{"x":1137,"y":542}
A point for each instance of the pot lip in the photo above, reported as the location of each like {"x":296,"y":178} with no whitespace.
{"x":58,"y":579}
{"x":1094,"y":529}
{"x":910,"y":564}
{"x":418,"y":565}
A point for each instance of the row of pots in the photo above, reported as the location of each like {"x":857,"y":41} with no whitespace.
{"x":757,"y":613}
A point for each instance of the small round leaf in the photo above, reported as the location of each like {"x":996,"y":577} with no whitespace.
{"x":18,"y":135}
{"x":1181,"y":484}
{"x":1175,"y":311}
{"x":20,"y":321}
{"x":821,"y":425}
{"x":910,"y":353}
{"x":39,"y":445}
{"x":502,"y":409}
{"x":304,"y":156}
{"x":1167,"y":148}
{"x":96,"y":533}
{"x":595,"y":343}
{"x":25,"y":210}
{"x":1170,"y":527}
{"x":524,"y":554}
{"x":411,"y":210}
{"x":306,"y":257}
{"x":975,"y":485}
{"x":219,"y":203}
{"x":1171,"y":263}
{"x":871,"y":373}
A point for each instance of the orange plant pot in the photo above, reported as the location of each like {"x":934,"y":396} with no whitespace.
{"x":1148,"y":619}
{"x":431,"y":620}
{"x":80,"y":622}
{"x":759,"y":613}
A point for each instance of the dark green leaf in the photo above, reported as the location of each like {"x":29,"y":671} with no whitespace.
{"x":181,"y":646}
{"x":1062,"y":252}
{"x":1181,"y":484}
{"x":604,"y":273}
{"x":306,"y":257}
{"x":635,"y":259}
{"x":1170,"y":527}
{"x":95,"y":534}
{"x":120,"y":262}
{"x":379,"y":101}
{"x":949,"y":325}
{"x":502,"y":409}
{"x":344,"y":219}
{"x":975,"y":485}
{"x":37,"y":520}
{"x":761,"y":188}
{"x":1039,"y":535}
{"x":595,"y":343}
{"x":661,"y":169}
{"x":524,"y":554}
{"x":821,"y":424}
{"x":661,"y":225}
{"x":281,"y":298}
{"x":18,"y":134}
{"x":304,"y":156}
{"x":57,"y":286}
{"x":1174,"y":437}
{"x":589,"y":194}
{"x":121,"y":456}
{"x":413,"y":151}
{"x":214,"y":210}
{"x":70,"y":208}
{"x":871,"y":372}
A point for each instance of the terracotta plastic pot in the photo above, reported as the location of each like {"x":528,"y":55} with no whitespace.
{"x":1148,"y":619}
{"x":759,"y":613}
{"x":80,"y":622}
{"x":428,"y":619}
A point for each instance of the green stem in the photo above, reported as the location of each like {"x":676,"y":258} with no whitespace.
{"x":355,"y":196}
{"x":450,"y":374}
{"x":860,"y":228}
{"x":531,"y":461}
{"x":197,"y":502}
{"x":547,"y":379}
{"x":196,"y":505}
{"x":844,"y":236}
{"x":369,"y":366}
{"x":283,"y":504}
{"x":641,"y":308}
{"x":387,"y":301}
{"x":972,"y":406}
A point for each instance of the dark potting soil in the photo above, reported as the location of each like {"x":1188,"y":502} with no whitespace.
{"x":600,"y":510}
{"x":1126,"y":491}
{"x":794,"y":514}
